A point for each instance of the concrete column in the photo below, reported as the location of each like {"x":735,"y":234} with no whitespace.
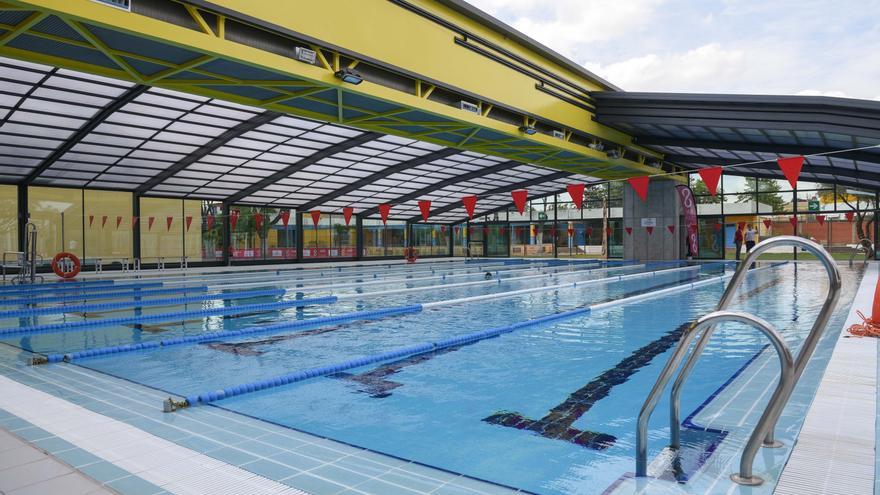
{"x":664,"y":207}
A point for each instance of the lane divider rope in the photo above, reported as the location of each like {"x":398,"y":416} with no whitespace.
{"x":297,"y":376}
{"x":113,"y":295}
{"x":85,"y":289}
{"x":81,"y":308}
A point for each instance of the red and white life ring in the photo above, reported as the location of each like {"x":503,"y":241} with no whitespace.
{"x":411,"y":255}
{"x":56,"y":265}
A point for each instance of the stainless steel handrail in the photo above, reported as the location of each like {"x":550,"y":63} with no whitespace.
{"x":783,"y":388}
{"x":807,"y":348}
{"x":865,"y":246}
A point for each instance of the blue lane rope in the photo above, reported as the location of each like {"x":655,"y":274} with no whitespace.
{"x":59,"y":284}
{"x":102,"y":287}
{"x":81,"y":308}
{"x":113,"y":295}
{"x":159,"y":317}
{"x":298,"y":376}
{"x":194,"y":339}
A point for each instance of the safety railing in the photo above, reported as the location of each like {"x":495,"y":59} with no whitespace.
{"x":767,"y":423}
{"x":864,"y":246}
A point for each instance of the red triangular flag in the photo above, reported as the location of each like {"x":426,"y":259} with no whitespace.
{"x":570,"y":232}
{"x":710,"y":177}
{"x":233,"y":218}
{"x":347,"y":212}
{"x":316,"y":216}
{"x":576,"y":191}
{"x":552,"y":231}
{"x":91,"y":219}
{"x":589,"y":231}
{"x":168,"y":221}
{"x":150,"y":221}
{"x":103,"y":221}
{"x":485,"y":229}
{"x":650,"y":230}
{"x":470,"y":203}
{"x":285,"y":217}
{"x":519,"y":199}
{"x":640,"y":186}
{"x":609,"y":230}
{"x":210,"y":221}
{"x":425,"y":208}
{"x":501,"y":230}
{"x":456,"y":229}
{"x":384,"y":210}
{"x":189,"y":221}
{"x":791,"y":167}
{"x":118,"y":221}
{"x":718,"y":227}
{"x":443,"y":229}
{"x":134,"y":221}
{"x":671,"y":229}
{"x":258,"y":220}
{"x":820,"y":219}
{"x":793,"y":221}
{"x":629,"y":230}
{"x":768,"y":223}
{"x":849,"y":216}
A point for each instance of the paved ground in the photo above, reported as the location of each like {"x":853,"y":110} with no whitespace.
{"x":26,"y":470}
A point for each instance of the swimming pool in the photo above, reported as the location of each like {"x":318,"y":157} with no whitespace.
{"x":545,"y":406}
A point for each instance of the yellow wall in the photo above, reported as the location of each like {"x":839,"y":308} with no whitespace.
{"x":193,"y":238}
{"x":160,"y":241}
{"x":8,"y":218}
{"x":46,"y":206}
{"x":107,"y":241}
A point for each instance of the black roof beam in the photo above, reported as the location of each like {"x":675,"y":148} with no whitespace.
{"x":770,"y":167}
{"x":789,"y":149}
{"x":400,"y":167}
{"x":208,"y":148}
{"x":476,"y":174}
{"x":500,"y":190}
{"x":301,"y":164}
{"x":127,"y":97}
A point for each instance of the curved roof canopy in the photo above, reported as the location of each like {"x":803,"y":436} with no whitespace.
{"x":698,"y":130}
{"x":64,"y":128}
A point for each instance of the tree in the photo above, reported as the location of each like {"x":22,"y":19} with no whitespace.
{"x":701,"y":192}
{"x":860,"y":202}
{"x":768,"y":195}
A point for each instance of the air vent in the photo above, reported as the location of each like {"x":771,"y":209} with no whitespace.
{"x":558,"y":134}
{"x":119,"y":4}
{"x":469,"y":107}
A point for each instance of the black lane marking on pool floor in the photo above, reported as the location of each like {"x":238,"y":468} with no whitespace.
{"x":557,"y":423}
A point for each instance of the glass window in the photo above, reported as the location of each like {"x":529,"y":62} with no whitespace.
{"x":259,"y":233}
{"x":212,"y":224}
{"x":384,"y":240}
{"x":431,"y":239}
{"x":459,"y":239}
{"x":9,"y":218}
{"x":58,"y":216}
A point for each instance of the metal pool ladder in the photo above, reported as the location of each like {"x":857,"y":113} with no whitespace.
{"x":791,"y":370}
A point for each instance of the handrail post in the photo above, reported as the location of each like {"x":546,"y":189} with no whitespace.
{"x":786,"y":382}
{"x":807,"y":348}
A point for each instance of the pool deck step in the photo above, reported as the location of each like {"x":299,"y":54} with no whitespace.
{"x":835,"y":451}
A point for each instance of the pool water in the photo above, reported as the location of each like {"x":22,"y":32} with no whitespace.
{"x":548,"y":408}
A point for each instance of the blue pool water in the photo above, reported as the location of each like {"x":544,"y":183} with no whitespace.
{"x":548,"y":408}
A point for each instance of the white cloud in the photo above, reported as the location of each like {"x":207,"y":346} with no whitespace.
{"x":688,"y":71}
{"x":816,"y":92}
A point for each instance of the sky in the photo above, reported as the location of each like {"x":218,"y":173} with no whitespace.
{"x":806,"y":47}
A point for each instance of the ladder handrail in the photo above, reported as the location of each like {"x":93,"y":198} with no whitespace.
{"x":809,"y":345}
{"x":707,"y":323}
{"x":865,"y":245}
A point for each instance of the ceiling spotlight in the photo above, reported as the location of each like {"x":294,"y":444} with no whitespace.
{"x":613,"y":154}
{"x":528,"y":129}
{"x":598,"y":146}
{"x":349,"y":76}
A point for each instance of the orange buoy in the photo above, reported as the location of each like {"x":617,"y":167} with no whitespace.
{"x":56,"y":265}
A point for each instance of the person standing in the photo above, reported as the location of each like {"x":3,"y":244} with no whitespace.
{"x":750,"y":235}
{"x":738,"y":240}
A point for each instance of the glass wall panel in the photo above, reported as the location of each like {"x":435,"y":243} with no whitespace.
{"x":384,"y":240}
{"x":192,"y":230}
{"x":476,"y":235}
{"x":580,"y":239}
{"x":615,"y":240}
{"x":58,"y":216}
{"x":710,"y":237}
{"x":211,"y":231}
{"x":161,"y":226}
{"x":459,"y":240}
{"x":430,"y":239}
{"x":259,"y":233}
{"x":496,"y":241}
{"x":9,"y":218}
{"x":331,"y":238}
{"x":108,"y":225}
{"x":532,"y":240}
